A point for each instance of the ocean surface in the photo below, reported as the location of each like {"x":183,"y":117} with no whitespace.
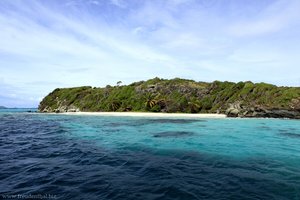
{"x":49,"y":156}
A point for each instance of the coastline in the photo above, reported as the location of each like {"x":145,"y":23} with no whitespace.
{"x":146,"y":114}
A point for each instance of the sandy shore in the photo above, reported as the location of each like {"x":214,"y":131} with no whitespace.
{"x":146,"y":114}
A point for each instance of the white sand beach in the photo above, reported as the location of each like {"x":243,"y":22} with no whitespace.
{"x":148,"y":114}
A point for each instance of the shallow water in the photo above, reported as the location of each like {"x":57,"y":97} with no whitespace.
{"x":93,"y":157}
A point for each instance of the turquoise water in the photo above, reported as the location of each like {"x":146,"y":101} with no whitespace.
{"x":233,"y":138}
{"x":153,"y":158}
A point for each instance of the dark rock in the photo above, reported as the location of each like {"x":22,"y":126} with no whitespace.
{"x":275,"y":113}
{"x":283,"y":114}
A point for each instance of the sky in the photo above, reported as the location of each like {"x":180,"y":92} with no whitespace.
{"x":46,"y":44}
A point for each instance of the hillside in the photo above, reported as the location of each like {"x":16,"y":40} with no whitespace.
{"x":242,"y":99}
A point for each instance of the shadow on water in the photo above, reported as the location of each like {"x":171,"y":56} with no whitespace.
{"x":142,"y":122}
{"x":289,"y":133}
{"x":173,"y":134}
{"x":264,"y":127}
{"x":175,"y":121}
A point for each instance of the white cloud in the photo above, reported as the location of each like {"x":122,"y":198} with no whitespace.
{"x":279,"y":15}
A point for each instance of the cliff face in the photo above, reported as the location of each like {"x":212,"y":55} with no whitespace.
{"x":243,"y":99}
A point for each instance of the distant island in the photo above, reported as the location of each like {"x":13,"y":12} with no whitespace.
{"x":3,"y":107}
{"x":242,"y":99}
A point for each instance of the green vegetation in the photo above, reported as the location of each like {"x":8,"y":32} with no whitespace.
{"x":175,"y":95}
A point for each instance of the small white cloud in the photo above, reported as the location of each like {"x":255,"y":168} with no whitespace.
{"x":95,"y":2}
{"x":138,"y":30}
{"x":119,"y":3}
{"x":71,"y":3}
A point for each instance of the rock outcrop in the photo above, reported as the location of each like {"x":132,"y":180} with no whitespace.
{"x":235,"y":110}
{"x":60,"y":108}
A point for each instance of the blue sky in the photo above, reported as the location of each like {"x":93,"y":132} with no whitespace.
{"x":46,"y":44}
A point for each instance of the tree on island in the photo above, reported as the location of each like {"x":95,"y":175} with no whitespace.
{"x":119,"y":83}
{"x":150,"y":101}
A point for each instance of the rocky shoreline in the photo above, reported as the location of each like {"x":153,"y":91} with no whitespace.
{"x":234,"y":111}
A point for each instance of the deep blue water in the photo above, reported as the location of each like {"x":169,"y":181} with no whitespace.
{"x":92,"y":157}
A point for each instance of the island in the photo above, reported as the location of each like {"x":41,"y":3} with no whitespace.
{"x":3,"y":107}
{"x":242,"y":99}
